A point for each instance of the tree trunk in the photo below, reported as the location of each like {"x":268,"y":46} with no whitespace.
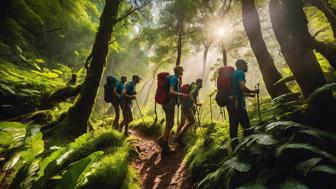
{"x":268,"y":70}
{"x":78,"y":116}
{"x":205,"y":58}
{"x":179,"y":49}
{"x":328,"y":50}
{"x":328,"y":12}
{"x":224,"y":54}
{"x":290,"y":27}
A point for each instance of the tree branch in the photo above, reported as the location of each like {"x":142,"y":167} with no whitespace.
{"x":132,"y":10}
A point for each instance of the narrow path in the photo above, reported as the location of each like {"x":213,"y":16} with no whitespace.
{"x":157,"y":172}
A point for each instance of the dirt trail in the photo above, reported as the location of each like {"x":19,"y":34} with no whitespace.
{"x":157,"y":172}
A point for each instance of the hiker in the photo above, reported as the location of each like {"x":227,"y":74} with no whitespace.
{"x":237,"y":108}
{"x":188,"y":108}
{"x":110,"y":96}
{"x":117,"y":103}
{"x":168,"y":105}
{"x":128,"y":95}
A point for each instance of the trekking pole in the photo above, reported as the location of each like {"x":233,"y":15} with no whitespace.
{"x":178,"y":115}
{"x":210,"y":109}
{"x":224,"y":114}
{"x":199,"y":122}
{"x":258,"y":103}
{"x":143,"y":120}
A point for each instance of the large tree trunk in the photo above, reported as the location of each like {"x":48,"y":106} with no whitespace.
{"x":328,"y":50}
{"x":224,"y":54}
{"x":76,"y":120}
{"x":290,"y":27}
{"x":205,"y":59}
{"x":268,"y":70}
{"x":179,"y":49}
{"x":328,"y":12}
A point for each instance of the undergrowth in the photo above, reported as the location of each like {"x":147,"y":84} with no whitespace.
{"x":279,"y":154}
{"x":94,"y":159}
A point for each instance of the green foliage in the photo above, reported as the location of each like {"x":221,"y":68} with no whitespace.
{"x":150,"y":127}
{"x":74,"y":164}
{"x":283,"y":150}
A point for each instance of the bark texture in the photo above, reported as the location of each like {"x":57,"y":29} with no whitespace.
{"x":78,"y":116}
{"x":289,"y":23}
{"x":268,"y":70}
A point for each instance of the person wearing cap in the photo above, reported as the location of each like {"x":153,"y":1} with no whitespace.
{"x":188,"y":110}
{"x":128,"y":95}
{"x":237,"y":108}
{"x":169,"y":108}
{"x":118,"y":90}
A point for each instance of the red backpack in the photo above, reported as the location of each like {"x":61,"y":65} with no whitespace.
{"x":185,"y":89}
{"x":224,"y":86}
{"x":162,"y":91}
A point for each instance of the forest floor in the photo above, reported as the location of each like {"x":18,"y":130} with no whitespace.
{"x":158,"y":172}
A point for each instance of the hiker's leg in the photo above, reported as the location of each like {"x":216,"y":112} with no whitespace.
{"x":191,"y":120}
{"x":178,"y":130}
{"x":245,"y":121}
{"x":234,"y":122}
{"x":169,"y":111}
{"x":129,"y":117}
{"x":117,"y":115}
{"x":123,"y":123}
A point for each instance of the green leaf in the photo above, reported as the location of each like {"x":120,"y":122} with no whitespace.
{"x":319,"y":134}
{"x":71,"y":176}
{"x":303,"y":146}
{"x":252,"y":186}
{"x":293,"y":184}
{"x":307,"y":165}
{"x":266,"y":140}
{"x":317,"y":92}
{"x":39,"y":60}
{"x":237,"y":164}
{"x":16,"y":130}
{"x":284,"y":125}
{"x":324,"y":168}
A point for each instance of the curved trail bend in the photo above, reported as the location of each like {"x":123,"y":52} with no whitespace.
{"x":157,"y":172}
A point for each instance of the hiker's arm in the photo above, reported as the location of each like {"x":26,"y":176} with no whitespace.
{"x":115,"y":92}
{"x":173,"y":92}
{"x":126,"y":95}
{"x":249,"y":95}
{"x":245,"y":89}
{"x":192,"y":98}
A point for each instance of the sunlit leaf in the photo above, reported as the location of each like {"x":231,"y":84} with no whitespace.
{"x":70,"y":177}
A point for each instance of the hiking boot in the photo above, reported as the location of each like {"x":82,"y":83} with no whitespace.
{"x":164,"y":146}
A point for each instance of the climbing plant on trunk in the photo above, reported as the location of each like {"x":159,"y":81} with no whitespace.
{"x":268,"y":70}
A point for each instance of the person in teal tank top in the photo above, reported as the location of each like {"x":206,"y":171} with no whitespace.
{"x":237,"y":106}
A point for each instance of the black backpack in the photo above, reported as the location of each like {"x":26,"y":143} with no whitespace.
{"x":111,"y":83}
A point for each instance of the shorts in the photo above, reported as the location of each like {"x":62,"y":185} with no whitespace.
{"x":169,"y":110}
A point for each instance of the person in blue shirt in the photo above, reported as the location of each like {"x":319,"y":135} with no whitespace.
{"x":237,"y":107}
{"x":117,"y":104}
{"x":169,"y":108}
{"x":128,"y":94}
